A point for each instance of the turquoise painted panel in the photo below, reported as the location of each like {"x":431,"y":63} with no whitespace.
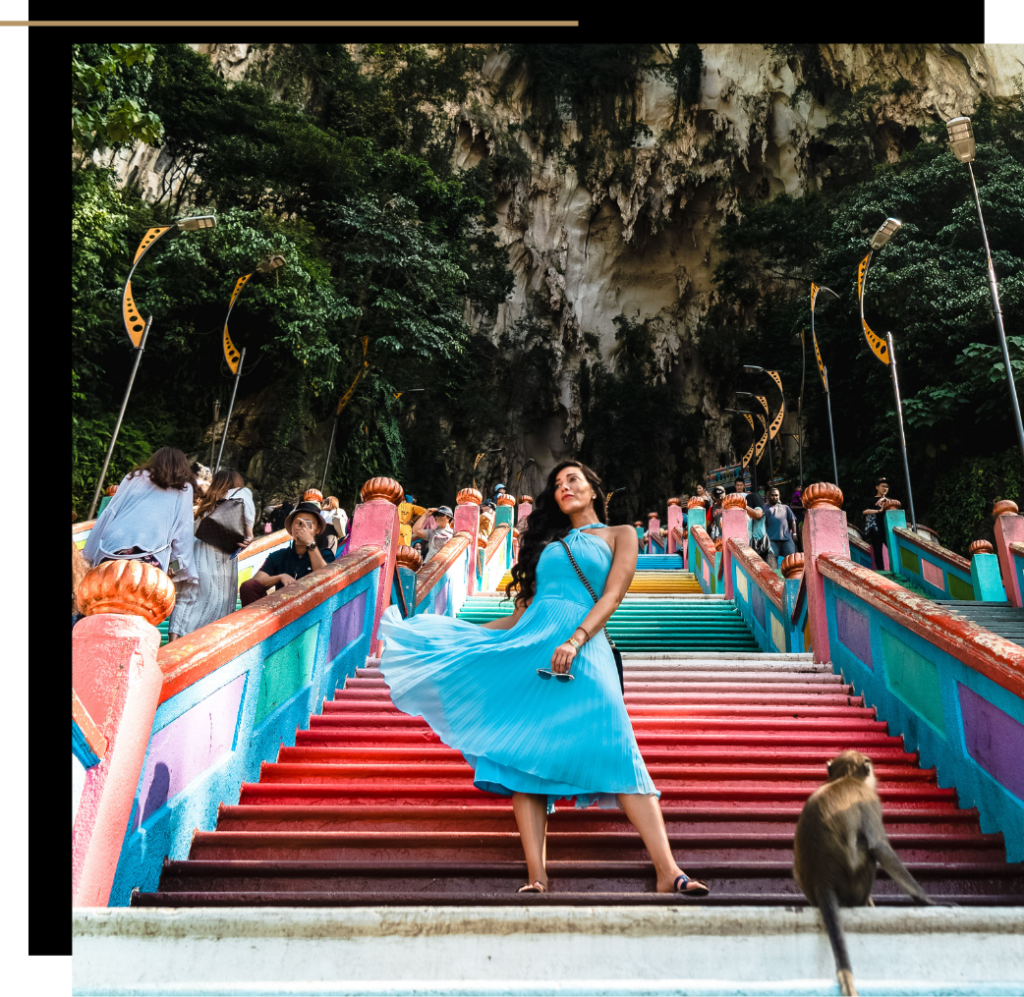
{"x":286,"y":671}
{"x":914,"y":679}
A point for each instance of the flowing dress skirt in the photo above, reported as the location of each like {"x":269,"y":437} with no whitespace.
{"x":479,"y":691}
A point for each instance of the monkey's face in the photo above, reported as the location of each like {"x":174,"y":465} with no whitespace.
{"x":852,"y":763}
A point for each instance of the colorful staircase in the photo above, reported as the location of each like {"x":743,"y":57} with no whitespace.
{"x":370,"y":808}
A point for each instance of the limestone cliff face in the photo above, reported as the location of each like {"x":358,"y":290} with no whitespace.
{"x":644,"y":244}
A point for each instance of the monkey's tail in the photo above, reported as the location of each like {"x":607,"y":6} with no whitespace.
{"x":829,"y":907}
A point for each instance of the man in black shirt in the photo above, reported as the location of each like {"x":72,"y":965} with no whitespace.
{"x":874,"y":521}
{"x":283,"y":567}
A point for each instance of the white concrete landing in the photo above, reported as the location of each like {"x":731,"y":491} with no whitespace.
{"x":498,"y":951}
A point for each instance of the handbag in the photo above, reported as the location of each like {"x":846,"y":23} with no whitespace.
{"x":616,"y":653}
{"x":224,"y":527}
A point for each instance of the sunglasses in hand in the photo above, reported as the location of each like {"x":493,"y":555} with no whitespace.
{"x":547,"y":673}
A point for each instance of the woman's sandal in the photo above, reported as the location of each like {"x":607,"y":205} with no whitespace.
{"x":691,"y":887}
{"x":535,"y":887}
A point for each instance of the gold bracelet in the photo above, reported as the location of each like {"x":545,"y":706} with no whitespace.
{"x":572,"y":640}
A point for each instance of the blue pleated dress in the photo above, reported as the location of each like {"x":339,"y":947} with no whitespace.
{"x":479,"y":690}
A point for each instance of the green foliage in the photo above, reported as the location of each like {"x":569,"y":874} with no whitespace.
{"x":636,"y":426}
{"x":928,"y":286}
{"x":964,"y":495}
{"x":596,"y":85}
{"x":107,"y":83}
{"x":331,"y":163}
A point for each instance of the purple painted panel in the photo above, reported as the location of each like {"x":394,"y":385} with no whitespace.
{"x":441,"y":599}
{"x":188,"y":746}
{"x":854,"y":631}
{"x":757,"y":604}
{"x":994,"y":740}
{"x":346,"y":625}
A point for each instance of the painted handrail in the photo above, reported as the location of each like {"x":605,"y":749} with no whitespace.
{"x":264,"y":542}
{"x":987,"y":653}
{"x":865,"y":550}
{"x":953,"y":690}
{"x":87,"y":524}
{"x":763,"y":576}
{"x":192,"y":657}
{"x":495,"y":542}
{"x":707,"y":574}
{"x":436,"y":568}
{"x":936,"y":551}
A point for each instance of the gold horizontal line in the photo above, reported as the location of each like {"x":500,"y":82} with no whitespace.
{"x":289,"y":24}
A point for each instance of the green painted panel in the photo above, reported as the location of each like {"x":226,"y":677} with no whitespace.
{"x":910,"y":560}
{"x":913,"y":678}
{"x":286,"y":671}
{"x":959,"y":589}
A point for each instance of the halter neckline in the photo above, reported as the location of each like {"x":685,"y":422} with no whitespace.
{"x":589,"y":526}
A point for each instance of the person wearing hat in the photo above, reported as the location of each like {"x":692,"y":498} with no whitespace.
{"x":715,"y":516}
{"x":437,"y":537}
{"x":499,"y":490}
{"x":407,"y":512}
{"x":283,"y":567}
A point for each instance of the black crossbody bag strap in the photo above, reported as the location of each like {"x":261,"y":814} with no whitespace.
{"x":616,"y":653}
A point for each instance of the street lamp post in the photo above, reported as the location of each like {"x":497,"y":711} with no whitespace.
{"x":137,"y":330}
{"x":961,"y":140}
{"x":884,"y":349}
{"x":520,"y":474}
{"x":235,"y":359}
{"x":750,"y":454}
{"x":826,"y":294}
{"x":763,"y":401}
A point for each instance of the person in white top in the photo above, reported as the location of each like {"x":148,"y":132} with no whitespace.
{"x":149,"y":518}
{"x":215,"y":592}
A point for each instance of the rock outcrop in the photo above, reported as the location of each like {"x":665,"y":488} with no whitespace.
{"x":641,"y":241}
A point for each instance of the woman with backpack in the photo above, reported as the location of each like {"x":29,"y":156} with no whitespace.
{"x":215,"y":593}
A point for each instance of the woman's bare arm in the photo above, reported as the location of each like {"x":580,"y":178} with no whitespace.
{"x":506,"y":622}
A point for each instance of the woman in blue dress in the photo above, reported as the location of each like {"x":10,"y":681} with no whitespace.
{"x":532,"y":700}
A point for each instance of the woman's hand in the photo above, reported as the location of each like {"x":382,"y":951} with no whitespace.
{"x":242,"y":544}
{"x":561,"y":660}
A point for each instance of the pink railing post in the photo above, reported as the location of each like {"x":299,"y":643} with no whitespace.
{"x":675,"y":521}
{"x":525,"y":508}
{"x":824,"y":533}
{"x":1009,"y":529}
{"x":653,"y":526}
{"x":116,"y":677}
{"x":734,"y":526}
{"x":467,"y":519}
{"x":375,"y":521}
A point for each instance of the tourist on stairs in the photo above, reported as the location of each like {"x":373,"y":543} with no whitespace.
{"x":149,"y":518}
{"x":214,"y":593}
{"x":337,"y":525}
{"x":540,"y":734}
{"x":435,"y":537}
{"x":781,"y":525}
{"x":756,"y":524}
{"x":283,"y":567}
{"x":874,"y":521}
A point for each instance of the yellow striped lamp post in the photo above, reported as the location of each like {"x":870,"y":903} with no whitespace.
{"x":234,"y":359}
{"x":961,"y":142}
{"x":136,"y":328}
{"x":884,"y":349}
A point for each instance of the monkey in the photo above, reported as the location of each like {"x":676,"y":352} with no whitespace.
{"x":839,"y":841}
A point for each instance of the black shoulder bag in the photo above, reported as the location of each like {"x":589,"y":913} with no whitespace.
{"x":224,"y":527}
{"x":616,"y":653}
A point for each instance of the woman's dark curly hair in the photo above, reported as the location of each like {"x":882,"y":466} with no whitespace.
{"x":544,"y":524}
